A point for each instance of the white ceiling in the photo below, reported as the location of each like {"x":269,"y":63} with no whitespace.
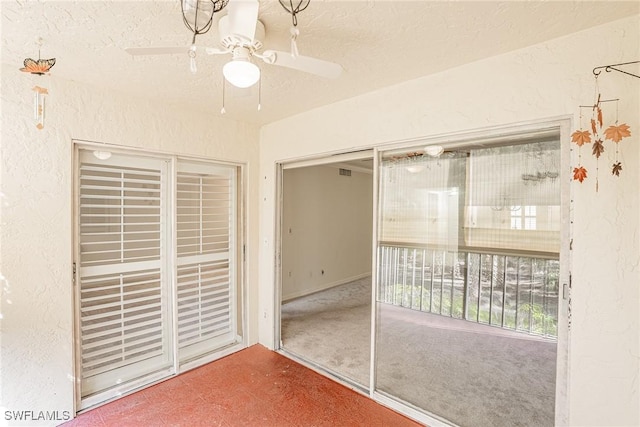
{"x":378,"y":42}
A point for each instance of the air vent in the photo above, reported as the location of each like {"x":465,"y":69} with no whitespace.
{"x":345,"y":172}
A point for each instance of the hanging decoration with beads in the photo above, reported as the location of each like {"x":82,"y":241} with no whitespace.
{"x":580,"y":137}
{"x":598,"y":134}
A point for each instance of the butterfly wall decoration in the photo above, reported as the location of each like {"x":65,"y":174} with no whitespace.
{"x":39,"y":66}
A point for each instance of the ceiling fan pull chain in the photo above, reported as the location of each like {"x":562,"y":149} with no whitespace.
{"x":294,"y":45}
{"x":260,"y":93}
{"x":224,"y":83}
{"x":192,"y":59}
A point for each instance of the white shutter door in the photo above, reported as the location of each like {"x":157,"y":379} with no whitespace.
{"x":124,"y":316}
{"x":206,"y":212}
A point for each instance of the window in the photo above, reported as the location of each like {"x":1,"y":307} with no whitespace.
{"x":513,"y":198}
{"x":523,"y":215}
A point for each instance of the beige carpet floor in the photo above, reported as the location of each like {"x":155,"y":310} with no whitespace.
{"x":332,"y":328}
{"x":469,"y":374}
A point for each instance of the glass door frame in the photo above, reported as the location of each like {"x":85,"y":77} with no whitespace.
{"x":240,"y":269}
{"x":477,"y":138}
{"x":484,"y":138}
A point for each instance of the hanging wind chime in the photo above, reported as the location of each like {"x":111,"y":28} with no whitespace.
{"x":38,"y":67}
{"x":598,"y":134}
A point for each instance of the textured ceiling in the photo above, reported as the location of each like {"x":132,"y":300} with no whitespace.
{"x":379,"y":43}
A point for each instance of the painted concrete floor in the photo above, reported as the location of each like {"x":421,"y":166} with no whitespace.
{"x":253,"y":387}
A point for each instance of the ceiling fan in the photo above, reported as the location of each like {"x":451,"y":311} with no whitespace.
{"x":240,"y":35}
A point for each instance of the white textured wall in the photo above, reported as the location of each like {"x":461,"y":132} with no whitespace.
{"x":326,"y":237}
{"x":547,"y":80}
{"x":36,"y":216}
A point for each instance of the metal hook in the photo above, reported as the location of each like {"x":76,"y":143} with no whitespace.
{"x":611,"y":67}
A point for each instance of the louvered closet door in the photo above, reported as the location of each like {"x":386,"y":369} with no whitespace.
{"x":206,"y":213}
{"x":125,"y":319}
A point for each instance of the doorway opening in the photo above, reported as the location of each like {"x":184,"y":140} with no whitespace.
{"x":326,"y":244}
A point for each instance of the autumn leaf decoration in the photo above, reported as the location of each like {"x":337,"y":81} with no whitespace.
{"x":581,"y":137}
{"x":617,"y":167}
{"x":579,"y":174}
{"x":597,"y":148}
{"x":596,"y":127}
{"x":616,"y":133}
{"x":598,"y":134}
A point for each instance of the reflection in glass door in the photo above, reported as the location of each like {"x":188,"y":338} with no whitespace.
{"x":468,"y":269}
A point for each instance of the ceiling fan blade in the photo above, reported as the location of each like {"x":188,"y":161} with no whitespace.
{"x":216,"y":51}
{"x":243,"y":18}
{"x":303,"y":63}
{"x":157,"y":50}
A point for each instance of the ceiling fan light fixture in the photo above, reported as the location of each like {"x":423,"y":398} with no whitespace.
{"x":240,"y":71}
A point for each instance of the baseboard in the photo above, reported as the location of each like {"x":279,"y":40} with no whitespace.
{"x":323,"y":287}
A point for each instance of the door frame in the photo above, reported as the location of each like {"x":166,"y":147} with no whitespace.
{"x":281,"y":166}
{"x":504,"y":133}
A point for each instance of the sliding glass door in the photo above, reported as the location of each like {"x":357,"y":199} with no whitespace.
{"x":124,"y":310}
{"x":157,"y":286}
{"x":467,"y":283}
{"x":206,"y":216}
